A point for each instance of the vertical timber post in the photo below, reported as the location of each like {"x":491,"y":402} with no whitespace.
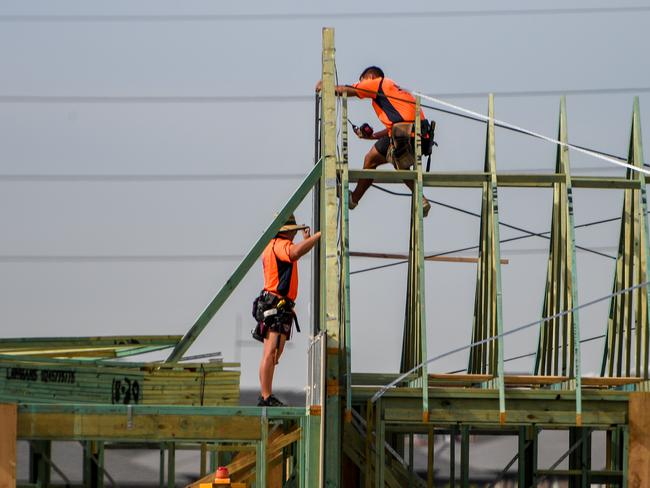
{"x":8,"y":433}
{"x":39,"y":467}
{"x":638,"y":462}
{"x":93,"y":460}
{"x":345,"y":257}
{"x":420,"y":290}
{"x":330,"y":283}
{"x":171,"y":464}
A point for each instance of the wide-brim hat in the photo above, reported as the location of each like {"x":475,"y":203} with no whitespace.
{"x":291,"y":224}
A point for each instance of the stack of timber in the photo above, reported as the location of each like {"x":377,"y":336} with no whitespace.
{"x":48,"y":374}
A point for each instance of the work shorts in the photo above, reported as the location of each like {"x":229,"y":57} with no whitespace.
{"x":281,"y":326}
{"x":382,"y":145}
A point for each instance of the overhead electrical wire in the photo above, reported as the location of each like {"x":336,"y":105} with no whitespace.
{"x":543,"y":235}
{"x":150,"y":177}
{"x":272,"y":16}
{"x":212,"y":99}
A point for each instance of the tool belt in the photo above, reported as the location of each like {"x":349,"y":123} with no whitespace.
{"x":401,"y":151}
{"x":269,"y":309}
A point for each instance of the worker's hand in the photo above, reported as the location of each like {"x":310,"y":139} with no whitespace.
{"x":319,"y":86}
{"x":362,"y":135}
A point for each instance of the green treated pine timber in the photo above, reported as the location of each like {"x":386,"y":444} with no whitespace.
{"x":39,"y":467}
{"x":430,"y":456}
{"x":477,"y":179}
{"x":245,"y":265}
{"x":488,"y":318}
{"x":625,"y":441}
{"x":558,"y":351}
{"x":495,"y":272}
{"x":421,"y":294}
{"x":345,"y":257}
{"x":313,"y":468}
{"x":452,"y":456}
{"x":380,"y":439}
{"x":464,"y":456}
{"x":301,"y":465}
{"x":171,"y":465}
{"x":625,"y":351}
{"x":330,"y":283}
{"x":93,"y":464}
{"x":261,"y":461}
{"x":161,"y":467}
{"x":571,"y":286}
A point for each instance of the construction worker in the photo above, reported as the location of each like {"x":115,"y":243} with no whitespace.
{"x":393,"y":106}
{"x":274,"y":308}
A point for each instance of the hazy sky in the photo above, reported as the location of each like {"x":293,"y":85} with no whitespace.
{"x":125,"y":214}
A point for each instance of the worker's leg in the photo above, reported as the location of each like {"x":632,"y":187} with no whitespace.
{"x":373,"y":159}
{"x":280,"y":349}
{"x":267,"y":364}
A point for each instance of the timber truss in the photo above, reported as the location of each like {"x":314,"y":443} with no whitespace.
{"x":354,"y":430}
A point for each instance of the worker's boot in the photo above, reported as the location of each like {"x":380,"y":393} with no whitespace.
{"x":426,"y":206}
{"x":351,"y":202}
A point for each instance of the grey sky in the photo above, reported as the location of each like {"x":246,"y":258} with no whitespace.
{"x":199,"y":227}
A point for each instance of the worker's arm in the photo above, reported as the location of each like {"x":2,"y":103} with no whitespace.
{"x":296,"y":251}
{"x":339,"y":89}
{"x":379,"y":134}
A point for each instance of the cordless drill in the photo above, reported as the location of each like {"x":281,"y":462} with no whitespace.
{"x":365,"y":130}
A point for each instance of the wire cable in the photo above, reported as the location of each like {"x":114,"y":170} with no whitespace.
{"x":212,"y":99}
{"x":589,"y":152}
{"x":369,"y":15}
{"x":509,"y":226}
{"x":477,"y":117}
{"x":390,"y":385}
{"x":150,"y":177}
{"x":543,"y":235}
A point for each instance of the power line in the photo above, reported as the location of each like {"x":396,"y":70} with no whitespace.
{"x":150,"y":177}
{"x":528,"y":235}
{"x":216,"y":99}
{"x":107,"y":99}
{"x":266,"y":17}
{"x":112,"y":258}
{"x":474,"y":214}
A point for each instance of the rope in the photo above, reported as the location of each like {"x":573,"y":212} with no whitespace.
{"x":478,"y":117}
{"x":534,"y":134}
{"x":385,"y":388}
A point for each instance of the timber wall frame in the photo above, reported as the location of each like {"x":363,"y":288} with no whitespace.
{"x":364,"y":422}
{"x":555,"y":395}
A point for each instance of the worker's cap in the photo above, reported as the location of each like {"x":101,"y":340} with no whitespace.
{"x":291,"y":224}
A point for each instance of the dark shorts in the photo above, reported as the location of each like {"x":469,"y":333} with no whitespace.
{"x":282,"y":328}
{"x":382,"y":145}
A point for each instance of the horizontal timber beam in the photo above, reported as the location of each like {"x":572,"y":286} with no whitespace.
{"x":151,"y":423}
{"x":479,"y":406}
{"x":476,"y":180}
